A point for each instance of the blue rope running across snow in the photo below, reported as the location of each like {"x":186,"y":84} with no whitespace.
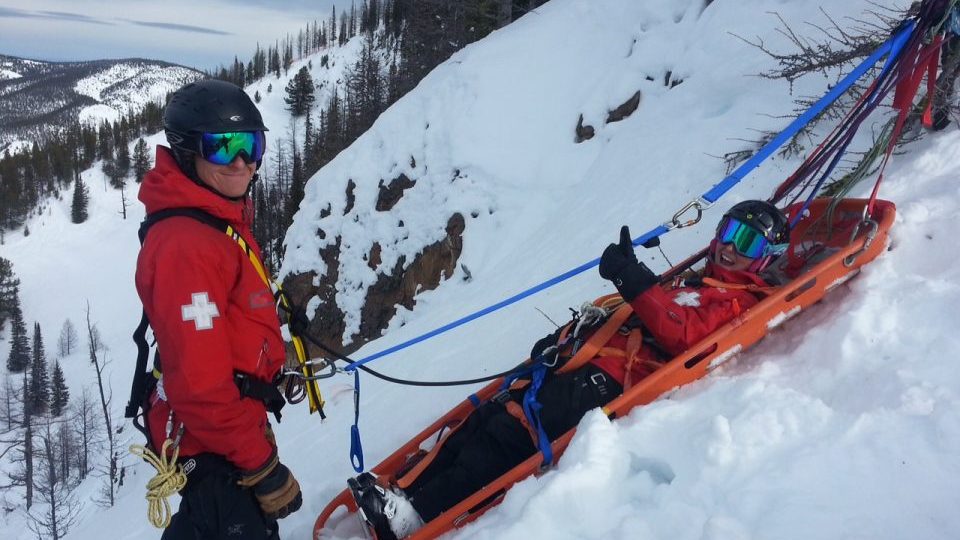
{"x":890,"y":48}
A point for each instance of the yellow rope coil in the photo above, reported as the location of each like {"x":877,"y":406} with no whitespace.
{"x":169,"y":479}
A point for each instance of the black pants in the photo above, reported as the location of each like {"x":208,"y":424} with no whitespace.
{"x":492,"y":441}
{"x":214,"y":507}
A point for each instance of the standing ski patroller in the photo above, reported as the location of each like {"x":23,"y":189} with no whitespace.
{"x":219,"y":345}
{"x":617,"y":341}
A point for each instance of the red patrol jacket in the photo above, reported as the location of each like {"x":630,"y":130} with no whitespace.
{"x":679,"y":318}
{"x":212,"y":315}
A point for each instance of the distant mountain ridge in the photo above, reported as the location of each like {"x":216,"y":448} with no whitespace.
{"x":37,"y":97}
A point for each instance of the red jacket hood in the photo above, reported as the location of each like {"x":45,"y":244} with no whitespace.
{"x":165,"y":186}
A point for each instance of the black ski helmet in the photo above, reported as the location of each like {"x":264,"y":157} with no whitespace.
{"x":763,"y":216}
{"x":208,"y":106}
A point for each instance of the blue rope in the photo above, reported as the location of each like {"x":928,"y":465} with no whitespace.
{"x":892,"y":45}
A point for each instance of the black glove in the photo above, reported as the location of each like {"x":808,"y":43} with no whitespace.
{"x":619,"y":264}
{"x":275,"y":488}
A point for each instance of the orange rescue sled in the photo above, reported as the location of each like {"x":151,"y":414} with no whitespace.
{"x":845,"y":242}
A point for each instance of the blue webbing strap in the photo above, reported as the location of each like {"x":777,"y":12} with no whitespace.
{"x":894,"y":44}
{"x":531,"y":409}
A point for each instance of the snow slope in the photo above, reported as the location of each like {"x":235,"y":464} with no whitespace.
{"x":844,"y":423}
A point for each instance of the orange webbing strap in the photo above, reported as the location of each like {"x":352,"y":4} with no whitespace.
{"x":717,"y":284}
{"x":634,"y":342}
{"x":410,"y":476}
{"x":516,"y":410}
{"x":609,"y":301}
{"x":599,"y":338}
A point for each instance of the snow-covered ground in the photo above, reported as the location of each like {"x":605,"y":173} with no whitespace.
{"x":843,"y":423}
{"x":128,"y":86}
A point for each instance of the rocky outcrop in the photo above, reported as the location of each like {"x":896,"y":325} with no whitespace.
{"x":351,"y":198}
{"x":390,"y":194}
{"x":327,"y":325}
{"x":625,"y":109}
{"x":583,"y":133}
{"x":395,"y":286}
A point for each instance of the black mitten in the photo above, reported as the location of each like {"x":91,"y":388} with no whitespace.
{"x":619,"y":264}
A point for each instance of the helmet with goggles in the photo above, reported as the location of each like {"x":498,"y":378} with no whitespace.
{"x":216,"y":120}
{"x":756,"y":229}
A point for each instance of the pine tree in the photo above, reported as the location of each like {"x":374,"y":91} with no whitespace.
{"x":300,"y":93}
{"x":141,"y":160}
{"x":38,"y":393}
{"x":296,"y":189}
{"x":19,"y":357}
{"x":104,"y":141}
{"x":8,"y":290}
{"x":60,"y":395}
{"x":118,"y":168}
{"x":68,"y":339}
{"x":78,"y":207}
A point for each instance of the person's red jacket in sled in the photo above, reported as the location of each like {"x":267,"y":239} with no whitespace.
{"x":493,"y":440}
{"x":214,"y":320}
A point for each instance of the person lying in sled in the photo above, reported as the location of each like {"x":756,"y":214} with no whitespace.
{"x":494,"y":439}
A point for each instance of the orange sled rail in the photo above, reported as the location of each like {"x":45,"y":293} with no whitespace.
{"x":851,"y":243}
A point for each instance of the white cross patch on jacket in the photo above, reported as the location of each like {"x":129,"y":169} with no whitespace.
{"x":201,"y":311}
{"x":687,"y":298}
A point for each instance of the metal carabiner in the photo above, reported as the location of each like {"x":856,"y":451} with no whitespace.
{"x":867,"y":242}
{"x":322,"y":362}
{"x":700,"y":204}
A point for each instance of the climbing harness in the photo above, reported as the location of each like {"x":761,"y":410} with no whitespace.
{"x":170,"y":477}
{"x":307,"y":372}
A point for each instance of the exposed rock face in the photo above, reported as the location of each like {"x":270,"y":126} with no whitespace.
{"x":586,"y":132}
{"x":327,"y":325}
{"x":395,"y":286}
{"x":351,"y":198}
{"x":391,"y":194}
{"x":625,"y":109}
{"x":583,"y":133}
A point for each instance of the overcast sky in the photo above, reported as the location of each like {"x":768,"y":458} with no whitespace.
{"x":196,"y":33}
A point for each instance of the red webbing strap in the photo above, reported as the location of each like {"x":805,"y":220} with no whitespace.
{"x":931,"y":86}
{"x":598,"y":339}
{"x":919,"y":62}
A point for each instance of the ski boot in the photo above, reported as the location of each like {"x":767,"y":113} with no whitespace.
{"x":386,"y":512}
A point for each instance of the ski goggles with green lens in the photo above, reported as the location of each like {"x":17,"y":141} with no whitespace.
{"x":223,"y":148}
{"x":747,"y":240}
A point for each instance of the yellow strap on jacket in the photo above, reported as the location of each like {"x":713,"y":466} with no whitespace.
{"x":313,"y":389}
